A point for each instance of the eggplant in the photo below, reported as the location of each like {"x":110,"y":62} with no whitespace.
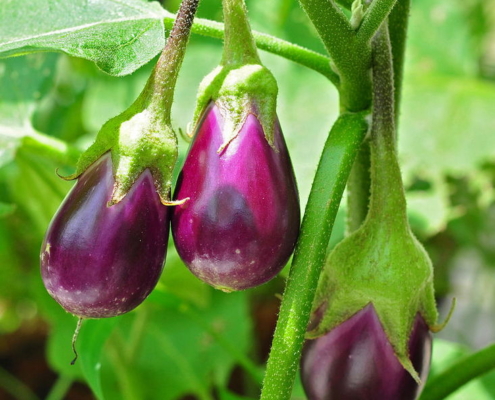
{"x":100,"y":261}
{"x":241,"y":223}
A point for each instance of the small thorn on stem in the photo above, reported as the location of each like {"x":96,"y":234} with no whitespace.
{"x":74,"y":338}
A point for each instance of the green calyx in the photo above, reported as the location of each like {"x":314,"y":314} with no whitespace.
{"x":138,"y":139}
{"x":142,"y":136}
{"x":239,"y":91}
{"x":241,"y":85}
{"x":381,"y":263}
{"x":386,"y":267}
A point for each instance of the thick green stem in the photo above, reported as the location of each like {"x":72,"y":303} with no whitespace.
{"x":336,"y":161}
{"x":359,"y":181}
{"x":397,"y":25}
{"x":351,"y":58}
{"x":239,"y":46}
{"x":358,"y":189}
{"x":160,"y":87}
{"x":308,"y":58}
{"x":463,"y":371}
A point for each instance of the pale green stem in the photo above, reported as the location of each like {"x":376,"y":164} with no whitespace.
{"x":462,"y":372}
{"x":60,"y":388}
{"x":388,"y":202}
{"x":239,"y":46}
{"x":308,"y":58}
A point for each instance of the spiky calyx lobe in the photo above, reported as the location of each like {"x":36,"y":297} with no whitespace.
{"x":240,"y":85}
{"x":142,"y":138}
{"x":139,"y":139}
{"x":239,"y":91}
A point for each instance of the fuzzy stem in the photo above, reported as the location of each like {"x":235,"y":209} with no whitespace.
{"x":397,"y":25}
{"x":239,"y":47}
{"x":336,"y":161}
{"x":358,"y":189}
{"x":388,"y":202}
{"x":377,"y":12}
{"x":352,"y":59}
{"x":463,"y":371}
{"x":159,"y":90}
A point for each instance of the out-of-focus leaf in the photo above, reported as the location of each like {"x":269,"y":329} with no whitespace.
{"x":182,"y":348}
{"x":6,"y":209}
{"x":447,"y":120}
{"x":23,"y":81}
{"x":179,"y":281}
{"x":94,"y":333}
{"x":118,"y":35}
{"x":448,"y":125}
{"x":38,"y":191}
{"x":226,"y":395}
{"x":440,"y":39}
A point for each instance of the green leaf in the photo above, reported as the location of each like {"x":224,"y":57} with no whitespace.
{"x":118,"y":35}
{"x":94,"y":333}
{"x":6,"y":209}
{"x":226,"y":395}
{"x":182,"y":349}
{"x":23,"y":81}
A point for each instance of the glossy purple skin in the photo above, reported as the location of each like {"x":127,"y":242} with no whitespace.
{"x":99,"y":261}
{"x":241,"y":223}
{"x":355,"y":361}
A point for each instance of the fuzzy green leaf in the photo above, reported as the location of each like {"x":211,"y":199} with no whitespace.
{"x":118,"y":35}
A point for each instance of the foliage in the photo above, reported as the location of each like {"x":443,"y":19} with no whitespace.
{"x":187,"y":338}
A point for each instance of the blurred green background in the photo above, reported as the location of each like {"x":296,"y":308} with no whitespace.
{"x":188,"y":341}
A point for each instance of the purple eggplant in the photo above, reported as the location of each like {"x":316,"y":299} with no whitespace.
{"x":99,"y":261}
{"x":241,"y":223}
{"x":355,"y":361}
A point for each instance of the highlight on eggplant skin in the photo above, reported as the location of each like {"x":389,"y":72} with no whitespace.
{"x":241,"y":223}
{"x":355,"y":361}
{"x":99,"y":261}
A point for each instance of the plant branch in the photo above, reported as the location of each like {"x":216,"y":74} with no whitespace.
{"x":359,"y":189}
{"x":377,"y":12}
{"x":292,"y":52}
{"x":463,"y":371}
{"x":336,"y":161}
{"x":50,"y":147}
